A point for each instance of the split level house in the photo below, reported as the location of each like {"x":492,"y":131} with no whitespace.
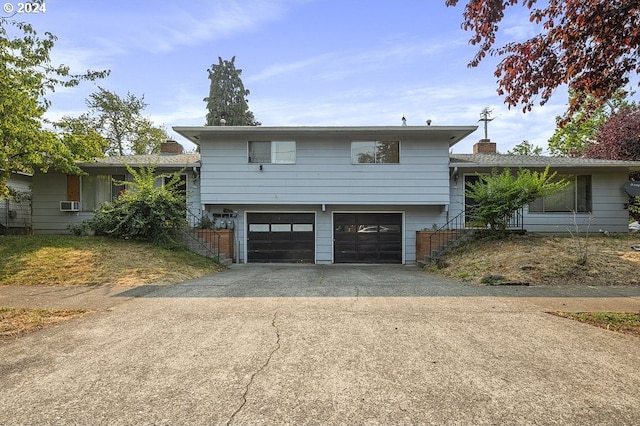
{"x":340,"y":194}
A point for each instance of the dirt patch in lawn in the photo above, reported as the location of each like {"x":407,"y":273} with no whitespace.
{"x":15,"y":322}
{"x":536,"y":259}
{"x":70,"y":261}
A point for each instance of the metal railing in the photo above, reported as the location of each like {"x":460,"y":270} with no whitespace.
{"x":462,"y":225}
{"x":206,"y":239}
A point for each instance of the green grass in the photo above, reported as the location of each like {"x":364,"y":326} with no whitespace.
{"x":628,"y":323}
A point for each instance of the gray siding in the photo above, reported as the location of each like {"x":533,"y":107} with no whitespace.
{"x":608,"y":200}
{"x":323,"y":173}
{"x":51,"y":188}
{"x":415,"y":218}
{"x":609,"y":214}
{"x":48,"y":190}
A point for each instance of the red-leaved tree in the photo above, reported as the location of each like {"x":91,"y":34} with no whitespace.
{"x":590,"y":45}
{"x":618,"y":138}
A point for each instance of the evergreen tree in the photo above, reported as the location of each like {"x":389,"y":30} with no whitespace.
{"x":227,"y":96}
{"x":525,"y":148}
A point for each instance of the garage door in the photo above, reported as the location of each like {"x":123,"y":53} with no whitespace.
{"x":367,"y":237}
{"x":281,"y":237}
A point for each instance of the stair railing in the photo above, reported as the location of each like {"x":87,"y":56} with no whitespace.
{"x":451,"y":232}
{"x":447,"y":234}
{"x":190,"y":233}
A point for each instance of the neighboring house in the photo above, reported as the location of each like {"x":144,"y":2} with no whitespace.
{"x":15,"y":211}
{"x":594,"y":197}
{"x":61,"y":200}
{"x":359,"y":194}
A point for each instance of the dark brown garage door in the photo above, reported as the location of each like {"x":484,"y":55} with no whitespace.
{"x":281,"y":238}
{"x":367,"y":237}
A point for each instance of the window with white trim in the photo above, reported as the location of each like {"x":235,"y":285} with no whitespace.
{"x":272,"y":152}
{"x":575,"y":197}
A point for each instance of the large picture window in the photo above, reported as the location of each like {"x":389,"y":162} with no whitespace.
{"x":375,"y":152}
{"x":272,"y":152}
{"x":575,"y":197}
{"x":98,"y":189}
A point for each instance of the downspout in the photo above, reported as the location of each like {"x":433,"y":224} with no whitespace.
{"x":454,"y":175}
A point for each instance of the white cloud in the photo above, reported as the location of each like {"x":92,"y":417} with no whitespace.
{"x":172,"y":27}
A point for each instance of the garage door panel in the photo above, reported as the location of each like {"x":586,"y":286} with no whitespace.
{"x":281,"y":237}
{"x":367,"y":237}
{"x":389,"y":238}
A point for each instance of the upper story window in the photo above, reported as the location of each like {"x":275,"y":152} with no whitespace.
{"x":272,"y":152}
{"x":575,"y":197}
{"x":374,"y":152}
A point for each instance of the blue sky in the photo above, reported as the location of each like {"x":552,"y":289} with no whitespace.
{"x":306,"y":62}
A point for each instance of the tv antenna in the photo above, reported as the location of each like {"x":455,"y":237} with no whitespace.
{"x":485,"y":116}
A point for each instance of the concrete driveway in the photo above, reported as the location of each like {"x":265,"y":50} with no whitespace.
{"x":327,"y":345}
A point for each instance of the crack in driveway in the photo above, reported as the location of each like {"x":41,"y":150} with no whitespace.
{"x":258,"y":371}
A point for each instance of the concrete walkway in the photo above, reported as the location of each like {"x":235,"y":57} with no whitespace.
{"x":324,"y":345}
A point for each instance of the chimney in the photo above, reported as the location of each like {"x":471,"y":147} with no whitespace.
{"x":171,"y":147}
{"x":484,"y":146}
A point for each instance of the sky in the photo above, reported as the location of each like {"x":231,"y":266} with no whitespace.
{"x":305,"y":62}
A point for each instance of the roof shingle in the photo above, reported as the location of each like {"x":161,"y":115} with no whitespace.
{"x":505,"y":160}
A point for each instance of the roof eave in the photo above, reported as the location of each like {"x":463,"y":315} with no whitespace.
{"x":453,"y":134}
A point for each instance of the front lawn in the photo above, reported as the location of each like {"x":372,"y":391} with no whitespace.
{"x":70,"y":260}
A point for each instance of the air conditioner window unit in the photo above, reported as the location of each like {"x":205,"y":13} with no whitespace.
{"x":69,"y":206}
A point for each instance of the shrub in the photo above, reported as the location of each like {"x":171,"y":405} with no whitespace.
{"x":143,"y":211}
{"x":499,"y":195}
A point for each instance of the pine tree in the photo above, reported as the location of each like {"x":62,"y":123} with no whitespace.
{"x":227,"y":96}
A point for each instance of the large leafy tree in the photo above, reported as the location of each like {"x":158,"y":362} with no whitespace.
{"x":26,"y":77}
{"x":590,"y":45}
{"x":120,"y":122}
{"x":80,"y":137}
{"x":227,"y":98}
{"x":572,"y":139}
{"x":618,"y":138}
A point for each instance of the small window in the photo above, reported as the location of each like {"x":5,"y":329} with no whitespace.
{"x":272,"y":152}
{"x":258,"y":227}
{"x":575,"y":197}
{"x":375,"y":152}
